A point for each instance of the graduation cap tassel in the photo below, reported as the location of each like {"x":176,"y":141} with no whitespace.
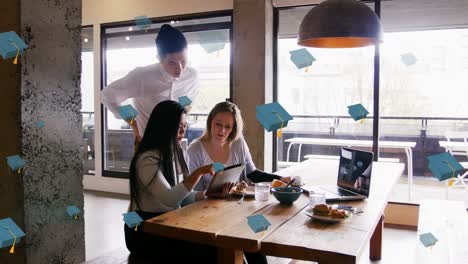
{"x":12,"y":249}
{"x":19,"y":171}
{"x":279,"y":133}
{"x":450,"y":183}
{"x":136,"y":228}
{"x":307,"y":69}
{"x":15,"y":61}
{"x":76,"y":217}
{"x":362,"y":120}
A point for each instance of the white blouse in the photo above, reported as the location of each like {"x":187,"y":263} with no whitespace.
{"x":238,"y":153}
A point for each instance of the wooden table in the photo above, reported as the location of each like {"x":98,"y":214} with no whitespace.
{"x":223,"y":223}
{"x":407,"y":146}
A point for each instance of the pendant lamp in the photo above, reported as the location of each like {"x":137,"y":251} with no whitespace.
{"x":340,"y":24}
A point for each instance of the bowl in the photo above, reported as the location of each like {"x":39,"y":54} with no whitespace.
{"x":288,"y":195}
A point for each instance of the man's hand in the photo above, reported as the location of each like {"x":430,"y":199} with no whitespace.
{"x":136,"y":132}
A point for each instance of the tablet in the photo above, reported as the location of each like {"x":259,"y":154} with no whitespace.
{"x":230,"y":174}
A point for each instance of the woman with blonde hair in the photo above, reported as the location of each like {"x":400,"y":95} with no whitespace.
{"x":223,"y":142}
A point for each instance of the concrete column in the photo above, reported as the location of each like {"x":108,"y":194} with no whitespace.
{"x":253,"y":71}
{"x":50,"y":92}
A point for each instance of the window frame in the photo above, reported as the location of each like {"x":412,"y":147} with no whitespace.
{"x":376,"y":84}
{"x":167,"y":19}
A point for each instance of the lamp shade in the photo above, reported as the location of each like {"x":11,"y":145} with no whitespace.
{"x":340,"y":24}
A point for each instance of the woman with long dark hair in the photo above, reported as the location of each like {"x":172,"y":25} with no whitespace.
{"x":160,"y":181}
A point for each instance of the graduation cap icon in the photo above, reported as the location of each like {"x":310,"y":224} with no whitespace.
{"x":408,"y":58}
{"x":185,"y":101}
{"x":132,"y":219}
{"x":40,"y":124}
{"x":142,"y":22}
{"x":10,"y":234}
{"x":273,"y":116}
{"x":212,"y":41}
{"x":128,"y":113}
{"x":73,"y":211}
{"x":357,"y":112}
{"x":16,"y":163}
{"x":258,"y":223}
{"x":302,"y":58}
{"x":444,"y":166}
{"x":11,"y":45}
{"x":218,"y":166}
{"x":428,"y":239}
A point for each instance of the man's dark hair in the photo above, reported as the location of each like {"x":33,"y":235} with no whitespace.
{"x":170,"y":40}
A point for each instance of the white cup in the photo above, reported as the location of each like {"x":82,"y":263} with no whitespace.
{"x":297,"y":181}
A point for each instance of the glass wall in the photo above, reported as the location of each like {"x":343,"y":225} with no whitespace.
{"x":423,"y":76}
{"x":318,"y":96}
{"x":87,"y":98}
{"x":423,"y":101}
{"x":126,"y":48}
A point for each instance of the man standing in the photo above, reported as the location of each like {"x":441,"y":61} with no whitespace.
{"x":149,"y":85}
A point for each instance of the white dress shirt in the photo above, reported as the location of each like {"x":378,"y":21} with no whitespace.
{"x":148,"y":86}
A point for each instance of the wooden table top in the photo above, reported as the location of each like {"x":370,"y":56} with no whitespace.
{"x":223,"y":223}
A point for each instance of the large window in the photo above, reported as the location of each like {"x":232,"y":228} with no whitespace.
{"x":127,"y":47}
{"x":317,"y":96}
{"x":87,"y":99}
{"x":423,"y":100}
{"x":423,"y":76}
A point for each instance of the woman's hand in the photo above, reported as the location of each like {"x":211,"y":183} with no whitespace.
{"x":207,"y":169}
{"x":191,"y":180}
{"x":286,"y":179}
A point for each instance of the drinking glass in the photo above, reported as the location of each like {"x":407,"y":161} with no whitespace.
{"x":262,"y":191}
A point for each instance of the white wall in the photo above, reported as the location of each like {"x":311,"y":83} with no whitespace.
{"x":105,"y":11}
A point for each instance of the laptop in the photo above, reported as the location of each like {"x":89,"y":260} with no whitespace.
{"x":354,"y":177}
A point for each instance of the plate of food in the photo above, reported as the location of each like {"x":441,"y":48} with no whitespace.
{"x":326,"y":213}
{"x":243,"y":189}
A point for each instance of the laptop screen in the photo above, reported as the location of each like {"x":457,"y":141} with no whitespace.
{"x":355,"y":170}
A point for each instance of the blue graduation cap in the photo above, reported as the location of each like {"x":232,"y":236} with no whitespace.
{"x":73,"y":211}
{"x":11,"y":45}
{"x":444,"y":166}
{"x":428,"y":239}
{"x":142,"y":22}
{"x":218,"y":166}
{"x":273,"y":116}
{"x":40,"y":124}
{"x":408,"y":58}
{"x":128,"y":113}
{"x":10,"y":234}
{"x":132,"y":219}
{"x":15,"y":162}
{"x":302,"y":58}
{"x":185,"y":101}
{"x":212,"y":41}
{"x":357,"y":112}
{"x":258,"y":223}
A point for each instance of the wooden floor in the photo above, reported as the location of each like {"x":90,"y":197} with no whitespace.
{"x":105,"y":242}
